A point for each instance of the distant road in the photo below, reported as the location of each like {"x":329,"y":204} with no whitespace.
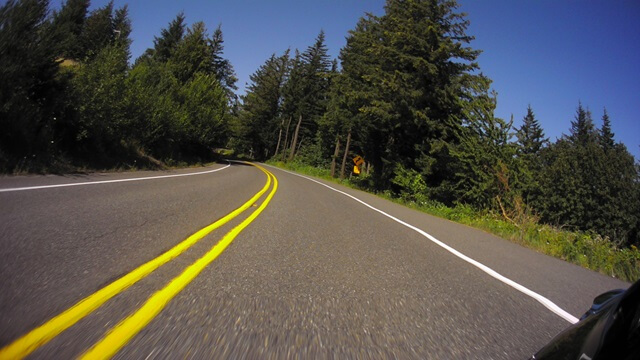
{"x":302,"y":270}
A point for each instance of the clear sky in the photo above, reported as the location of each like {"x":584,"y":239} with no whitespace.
{"x":547,"y":53}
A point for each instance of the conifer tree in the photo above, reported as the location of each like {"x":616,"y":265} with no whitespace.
{"x":606,"y":134}
{"x":98,"y":31}
{"x":222,"y":67}
{"x":582,"y":130}
{"x":260,"y":117}
{"x":587,"y":187}
{"x":530,"y":143}
{"x":410,"y":74}
{"x":67,"y":25}
{"x":530,"y":135}
{"x":192,"y":54}
{"x":122,"y":28}
{"x":169,"y":38}
{"x":29,"y":90}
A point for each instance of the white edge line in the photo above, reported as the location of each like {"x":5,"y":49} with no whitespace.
{"x":541,"y":299}
{"x":111,"y":181}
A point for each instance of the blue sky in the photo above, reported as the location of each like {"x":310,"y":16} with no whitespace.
{"x":550,"y":54}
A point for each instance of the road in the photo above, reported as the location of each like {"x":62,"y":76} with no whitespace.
{"x":314,"y":274}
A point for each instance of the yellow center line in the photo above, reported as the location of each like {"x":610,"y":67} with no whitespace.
{"x":130,"y":326}
{"x":52,"y":328}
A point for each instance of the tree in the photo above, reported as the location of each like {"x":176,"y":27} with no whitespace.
{"x":204,"y":115}
{"x":590,"y":188}
{"x":222,"y":67}
{"x":260,"y":115}
{"x":486,"y":169}
{"x":606,"y":134}
{"x":582,"y":130}
{"x":122,"y":28}
{"x":530,"y":135}
{"x":409,"y":76}
{"x":530,"y":143}
{"x":192,"y":54}
{"x":28,"y":92}
{"x":67,"y":26}
{"x":98,"y":31}
{"x":103,"y":115}
{"x":166,"y":44}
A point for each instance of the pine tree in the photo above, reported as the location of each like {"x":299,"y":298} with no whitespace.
{"x":222,"y":67}
{"x":410,"y":74}
{"x":260,"y":116}
{"x":29,"y":88}
{"x":166,"y":44}
{"x":530,"y":144}
{"x":192,"y":54}
{"x":98,"y":31}
{"x":67,"y":25}
{"x":530,"y":135}
{"x":587,"y":187}
{"x":582,"y":130}
{"x":307,"y":91}
{"x":606,"y":134}
{"x":122,"y":28}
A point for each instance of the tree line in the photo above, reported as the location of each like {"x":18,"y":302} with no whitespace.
{"x":410,"y":98}
{"x":70,"y":96}
{"x":406,"y":94}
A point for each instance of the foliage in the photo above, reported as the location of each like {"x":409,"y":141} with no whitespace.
{"x":408,"y":91}
{"x":586,"y":249}
{"x":67,"y":25}
{"x":588,"y":186}
{"x":68,"y":90}
{"x":260,"y":118}
{"x":28,"y":94}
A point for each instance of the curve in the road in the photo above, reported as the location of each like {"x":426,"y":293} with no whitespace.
{"x":39,"y":336}
{"x":120,"y":335}
{"x":541,"y":299}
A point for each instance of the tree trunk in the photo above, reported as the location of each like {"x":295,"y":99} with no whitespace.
{"x":344,"y":158}
{"x":336,"y":152}
{"x":286,"y":140}
{"x":279,"y":138}
{"x":299,"y":144}
{"x":295,"y":140}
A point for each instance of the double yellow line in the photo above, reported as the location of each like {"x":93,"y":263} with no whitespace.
{"x":117,"y":337}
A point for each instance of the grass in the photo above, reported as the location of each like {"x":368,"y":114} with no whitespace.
{"x":586,"y":249}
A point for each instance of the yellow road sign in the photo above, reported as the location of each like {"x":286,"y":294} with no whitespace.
{"x":358,"y":160}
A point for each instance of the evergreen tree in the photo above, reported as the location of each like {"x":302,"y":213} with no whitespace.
{"x":192,"y":54}
{"x":606,"y":134}
{"x":98,"y":31}
{"x":530,"y":143}
{"x":166,"y":44}
{"x":315,"y":85}
{"x":306,"y":93}
{"x":530,"y":135}
{"x":582,"y":130}
{"x":222,"y":67}
{"x":67,"y":25}
{"x":589,"y":188}
{"x":122,"y":28}
{"x":487,"y":169}
{"x":29,"y":89}
{"x":260,"y":118}
{"x":410,"y":74}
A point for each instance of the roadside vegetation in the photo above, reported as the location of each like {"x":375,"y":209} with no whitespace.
{"x":406,"y":95}
{"x":587,"y":249}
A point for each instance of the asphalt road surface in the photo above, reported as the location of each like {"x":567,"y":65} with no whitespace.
{"x":310,"y":273}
